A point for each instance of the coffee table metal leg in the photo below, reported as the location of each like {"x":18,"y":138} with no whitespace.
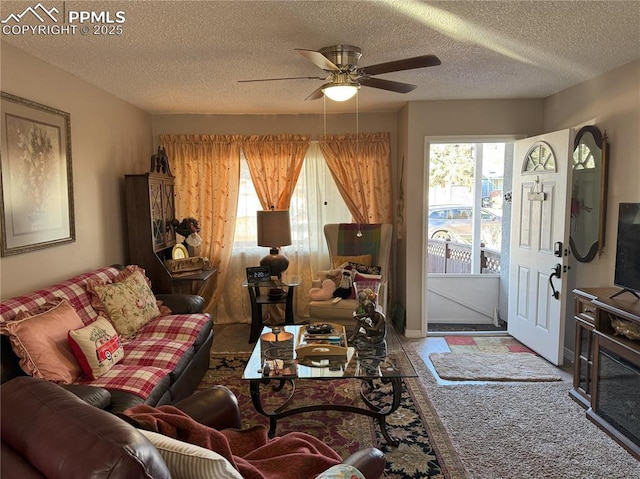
{"x":373,"y":411}
{"x":254,"y":389}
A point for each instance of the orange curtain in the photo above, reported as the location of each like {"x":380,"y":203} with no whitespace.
{"x":207,"y":178}
{"x":275,"y":162}
{"x":361,"y":166}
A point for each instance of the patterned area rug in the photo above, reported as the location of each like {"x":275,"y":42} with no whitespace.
{"x":424,"y":451}
{"x":485,"y":344}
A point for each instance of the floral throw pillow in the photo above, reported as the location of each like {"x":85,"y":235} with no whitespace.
{"x":132,"y":268}
{"x":97,"y":347}
{"x":129,"y":304}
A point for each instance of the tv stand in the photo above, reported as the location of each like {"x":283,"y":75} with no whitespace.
{"x":607,"y":363}
{"x":625,"y":290}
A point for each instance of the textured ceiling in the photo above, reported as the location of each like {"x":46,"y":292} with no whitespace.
{"x":187,"y":56}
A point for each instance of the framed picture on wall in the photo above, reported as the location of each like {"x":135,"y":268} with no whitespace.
{"x":36,"y":176}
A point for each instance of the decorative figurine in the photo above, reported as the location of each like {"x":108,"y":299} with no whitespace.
{"x":371,"y":325}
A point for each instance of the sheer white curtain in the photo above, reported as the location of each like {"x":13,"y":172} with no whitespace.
{"x":315,"y":202}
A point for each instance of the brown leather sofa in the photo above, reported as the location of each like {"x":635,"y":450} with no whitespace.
{"x":48,"y":432}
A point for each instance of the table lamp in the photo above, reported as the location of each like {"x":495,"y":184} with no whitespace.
{"x":274,"y":231}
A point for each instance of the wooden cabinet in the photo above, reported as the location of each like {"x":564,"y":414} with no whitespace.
{"x":606,"y":376}
{"x":151,"y":222}
{"x":585,"y":316}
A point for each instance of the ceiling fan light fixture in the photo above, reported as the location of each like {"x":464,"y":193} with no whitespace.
{"x":342,"y":92}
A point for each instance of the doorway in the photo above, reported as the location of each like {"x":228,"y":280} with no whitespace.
{"x":467,"y":234}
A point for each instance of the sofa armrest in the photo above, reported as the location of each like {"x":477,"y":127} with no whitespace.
{"x":93,"y":395}
{"x":216,"y":407}
{"x":62,"y":436}
{"x":370,"y":462}
{"x":182,"y":303}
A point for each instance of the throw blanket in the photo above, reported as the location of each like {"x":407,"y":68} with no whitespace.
{"x":292,"y":456}
{"x":349,"y":244}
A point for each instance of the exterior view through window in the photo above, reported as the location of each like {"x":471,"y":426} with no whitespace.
{"x":465,"y":207}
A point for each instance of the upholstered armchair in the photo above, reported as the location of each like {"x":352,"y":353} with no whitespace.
{"x":345,"y":242}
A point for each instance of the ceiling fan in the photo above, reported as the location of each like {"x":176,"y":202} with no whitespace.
{"x":345,"y":78}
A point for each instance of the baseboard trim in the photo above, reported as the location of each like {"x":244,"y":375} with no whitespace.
{"x":413,"y":333}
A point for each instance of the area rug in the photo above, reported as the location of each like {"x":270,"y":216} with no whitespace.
{"x":424,"y":451}
{"x":493,"y":367}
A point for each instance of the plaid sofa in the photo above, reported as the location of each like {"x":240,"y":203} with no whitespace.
{"x":162,"y":364}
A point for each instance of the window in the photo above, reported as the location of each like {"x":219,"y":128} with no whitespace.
{"x":315,"y":202}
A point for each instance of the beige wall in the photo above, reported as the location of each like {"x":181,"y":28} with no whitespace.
{"x":613,"y":100}
{"x":109,"y":138}
{"x":503,"y":118}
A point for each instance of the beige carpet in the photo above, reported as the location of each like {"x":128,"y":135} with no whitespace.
{"x":523,"y":430}
{"x":493,"y":367}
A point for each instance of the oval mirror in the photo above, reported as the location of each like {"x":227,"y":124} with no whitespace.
{"x":588,"y":193}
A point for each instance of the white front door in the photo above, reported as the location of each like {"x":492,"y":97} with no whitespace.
{"x":540,"y":215}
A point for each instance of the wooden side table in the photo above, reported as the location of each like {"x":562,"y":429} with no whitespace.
{"x":260,"y":298}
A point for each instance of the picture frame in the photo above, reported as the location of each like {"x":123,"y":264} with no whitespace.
{"x":36,"y":176}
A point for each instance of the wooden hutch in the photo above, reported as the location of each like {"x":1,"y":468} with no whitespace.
{"x":151,"y":223}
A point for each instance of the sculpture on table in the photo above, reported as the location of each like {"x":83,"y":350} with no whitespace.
{"x":371,"y":326}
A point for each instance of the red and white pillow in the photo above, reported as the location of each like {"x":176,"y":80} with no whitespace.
{"x":97,"y":347}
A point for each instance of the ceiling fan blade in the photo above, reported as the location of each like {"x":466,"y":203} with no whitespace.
{"x":395,"y":86}
{"x":317,"y":93}
{"x":318,"y":59}
{"x":399,"y":65}
{"x":286,"y":78}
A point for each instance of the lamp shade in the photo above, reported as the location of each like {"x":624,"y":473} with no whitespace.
{"x":340,"y":92}
{"x":274,"y":228}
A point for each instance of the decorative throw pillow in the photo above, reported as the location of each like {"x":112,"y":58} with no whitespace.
{"x":129,"y":304}
{"x":341,"y":471}
{"x":339,"y":261}
{"x":186,"y":461}
{"x":133,"y":268}
{"x":376,"y":278}
{"x":366,"y":268}
{"x":40,"y":341}
{"x":97,"y":347}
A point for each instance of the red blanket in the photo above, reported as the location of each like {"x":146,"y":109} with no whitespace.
{"x":292,"y":456}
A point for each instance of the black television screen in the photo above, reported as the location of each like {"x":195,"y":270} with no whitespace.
{"x":627,"y":273}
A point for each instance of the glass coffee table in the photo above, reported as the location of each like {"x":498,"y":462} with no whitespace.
{"x":385,"y":364}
